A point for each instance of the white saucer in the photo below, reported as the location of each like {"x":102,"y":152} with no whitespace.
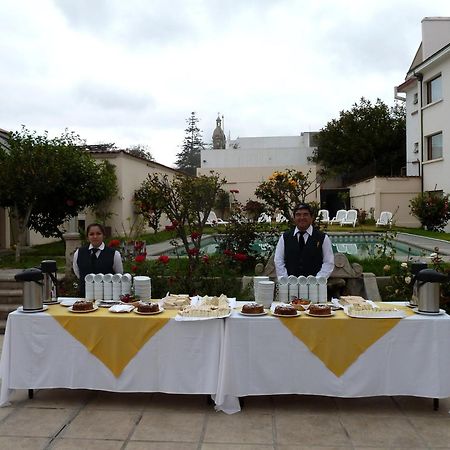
{"x":321,"y":315}
{"x":441,"y":311}
{"x":55,"y":302}
{"x":20,"y":309}
{"x":85,"y":311}
{"x":251,"y":315}
{"x":286,"y":316}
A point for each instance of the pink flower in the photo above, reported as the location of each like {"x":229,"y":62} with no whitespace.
{"x":163,"y":259}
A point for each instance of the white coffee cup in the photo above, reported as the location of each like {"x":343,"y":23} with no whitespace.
{"x":98,"y":278}
{"x":89,"y":278}
{"x":107,"y":278}
{"x":117,"y":278}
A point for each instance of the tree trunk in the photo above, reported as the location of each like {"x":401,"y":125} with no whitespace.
{"x":22,"y":225}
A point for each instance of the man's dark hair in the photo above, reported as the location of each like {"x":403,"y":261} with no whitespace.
{"x":303,"y":206}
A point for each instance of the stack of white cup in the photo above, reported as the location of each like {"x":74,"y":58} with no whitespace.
{"x":98,"y":286}
{"x":283,"y":289}
{"x":116,"y":286}
{"x":126,"y":283}
{"x":322,"y":283}
{"x":89,"y":286}
{"x":303,"y":287}
{"x":293,"y":286}
{"x":107,"y":287}
{"x":256,"y":280}
{"x":313,"y":288}
{"x":265,"y":292}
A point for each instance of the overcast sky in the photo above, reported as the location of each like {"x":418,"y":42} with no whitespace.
{"x":131,"y":71}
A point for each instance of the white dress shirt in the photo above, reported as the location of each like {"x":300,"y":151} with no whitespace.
{"x":327,"y":255}
{"x":117,"y":264}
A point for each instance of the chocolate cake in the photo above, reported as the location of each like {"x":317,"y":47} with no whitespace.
{"x":252,"y":308}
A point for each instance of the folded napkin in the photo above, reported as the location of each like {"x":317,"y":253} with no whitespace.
{"x":121,"y":308}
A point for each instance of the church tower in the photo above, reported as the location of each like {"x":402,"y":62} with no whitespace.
{"x":218,"y":136}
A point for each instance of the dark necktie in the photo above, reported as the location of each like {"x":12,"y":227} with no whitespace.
{"x":94,"y":257}
{"x":301,"y":240}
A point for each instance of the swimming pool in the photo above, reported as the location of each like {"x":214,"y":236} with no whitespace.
{"x":357,"y":244}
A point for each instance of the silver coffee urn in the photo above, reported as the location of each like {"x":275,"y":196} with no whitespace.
{"x":50,"y":282}
{"x":429,"y":290}
{"x":32,"y":289}
{"x":416,"y":267}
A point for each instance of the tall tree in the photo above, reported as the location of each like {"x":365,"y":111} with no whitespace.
{"x":189,"y":158}
{"x":46,"y":181}
{"x":368,"y":136}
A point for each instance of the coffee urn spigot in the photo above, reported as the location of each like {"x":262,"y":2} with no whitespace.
{"x":429,"y":289}
{"x":32,"y":288}
{"x":50,"y":283}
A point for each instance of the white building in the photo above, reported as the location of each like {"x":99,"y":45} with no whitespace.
{"x":427,"y":89}
{"x":246,"y":162}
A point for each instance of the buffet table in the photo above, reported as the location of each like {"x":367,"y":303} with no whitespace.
{"x":227,"y":358}
{"x":179,"y":357}
{"x":261,"y":356}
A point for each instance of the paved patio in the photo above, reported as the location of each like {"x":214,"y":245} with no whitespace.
{"x":65,"y":419}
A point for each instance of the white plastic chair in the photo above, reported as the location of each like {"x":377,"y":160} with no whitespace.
{"x":385,"y":219}
{"x":350,"y":218}
{"x":339,"y":217}
{"x":323,"y":216}
{"x":214,"y":220}
{"x":264,"y":218}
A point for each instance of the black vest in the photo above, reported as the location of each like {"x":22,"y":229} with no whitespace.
{"x":103,"y":264}
{"x":310,"y":260}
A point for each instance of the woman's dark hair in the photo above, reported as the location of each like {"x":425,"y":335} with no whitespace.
{"x":102,"y":228}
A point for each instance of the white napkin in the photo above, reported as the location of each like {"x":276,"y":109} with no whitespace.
{"x":121,"y":308}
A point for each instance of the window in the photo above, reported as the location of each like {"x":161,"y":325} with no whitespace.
{"x":416,"y":147}
{"x":416,"y":98}
{"x":434,"y":146}
{"x":434,"y":89}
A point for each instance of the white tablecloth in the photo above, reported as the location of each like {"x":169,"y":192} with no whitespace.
{"x":262,"y":357}
{"x":183,"y":357}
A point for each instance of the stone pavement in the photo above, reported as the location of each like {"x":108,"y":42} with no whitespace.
{"x":81,"y":419}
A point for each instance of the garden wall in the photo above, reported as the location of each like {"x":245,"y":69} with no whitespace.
{"x":387,"y":194}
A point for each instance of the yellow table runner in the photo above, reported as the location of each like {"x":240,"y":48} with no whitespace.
{"x":114,"y":338}
{"x":340,"y":340}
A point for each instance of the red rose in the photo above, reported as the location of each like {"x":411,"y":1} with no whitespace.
{"x":70,"y":202}
{"x":194,"y":251}
{"x":163,"y":259}
{"x":140,"y":258}
{"x":228,"y":252}
{"x":174,"y":223}
{"x":240,"y":257}
{"x":134,"y":268}
{"x":114,"y":243}
{"x":205,"y":259}
{"x":195,"y":235}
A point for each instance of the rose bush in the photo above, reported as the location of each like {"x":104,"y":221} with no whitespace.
{"x":431,"y":208}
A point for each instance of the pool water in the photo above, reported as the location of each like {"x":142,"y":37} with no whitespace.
{"x":359,"y":245}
